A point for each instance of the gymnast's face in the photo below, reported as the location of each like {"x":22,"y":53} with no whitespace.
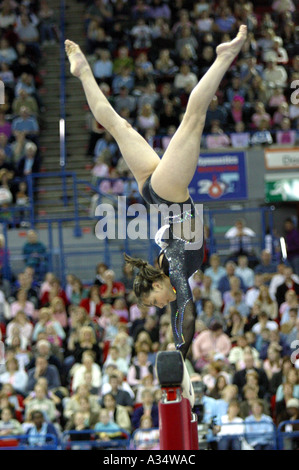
{"x":161,"y":294}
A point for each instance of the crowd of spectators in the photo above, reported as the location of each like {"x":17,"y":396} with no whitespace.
{"x":147,"y":56}
{"x":26,"y":28}
{"x":81,"y":357}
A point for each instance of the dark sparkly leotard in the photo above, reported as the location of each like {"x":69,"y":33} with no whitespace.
{"x":179,"y":264}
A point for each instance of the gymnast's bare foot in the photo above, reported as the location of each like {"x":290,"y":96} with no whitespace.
{"x":76,"y":57}
{"x":231,"y":49}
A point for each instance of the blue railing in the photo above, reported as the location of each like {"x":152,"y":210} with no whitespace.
{"x":29,"y":442}
{"x":93,"y":440}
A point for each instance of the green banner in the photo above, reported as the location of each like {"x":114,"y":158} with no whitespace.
{"x":282,"y":189}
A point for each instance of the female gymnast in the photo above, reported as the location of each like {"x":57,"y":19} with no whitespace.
{"x":165,"y":180}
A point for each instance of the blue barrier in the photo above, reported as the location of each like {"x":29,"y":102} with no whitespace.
{"x":286,"y":435}
{"x":120,"y":442}
{"x":28,"y":442}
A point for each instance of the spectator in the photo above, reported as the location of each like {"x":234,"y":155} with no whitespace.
{"x":240,"y":239}
{"x":266,"y":267}
{"x":43,"y":369}
{"x":254,"y":291}
{"x":250,"y":393}
{"x":292,"y":242}
{"x":111,"y":289}
{"x":9,"y":425}
{"x":13,"y":375}
{"x":215,"y":271}
{"x":106,"y":428}
{"x":239,"y":378}
{"x":34,"y":252}
{"x":266,"y":303}
{"x":288,"y":284}
{"x":224,"y":282}
{"x":139,"y":368}
{"x":230,"y":425}
{"x":262,"y":434}
{"x":26,"y":124}
{"x":122,"y":396}
{"x":39,"y":433}
{"x":208,"y":343}
{"x":210,"y":314}
{"x":73,"y":404}
{"x":238,"y":352}
{"x":118,"y":414}
{"x":88,"y":365}
{"x":41,"y":403}
{"x":22,"y":304}
{"x":244,"y":272}
{"x":148,"y":408}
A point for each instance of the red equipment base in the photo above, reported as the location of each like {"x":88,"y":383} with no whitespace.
{"x":177,"y":423}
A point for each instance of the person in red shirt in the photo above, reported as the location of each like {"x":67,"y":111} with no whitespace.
{"x":93,"y":303}
{"x":111,"y":289}
{"x":55,"y":291}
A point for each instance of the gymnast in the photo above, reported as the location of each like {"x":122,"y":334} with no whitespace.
{"x":165,"y":181}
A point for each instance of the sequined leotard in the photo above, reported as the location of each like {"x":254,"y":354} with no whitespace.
{"x":179,"y":264}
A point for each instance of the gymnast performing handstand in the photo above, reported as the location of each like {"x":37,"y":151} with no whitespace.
{"x":165,"y":180}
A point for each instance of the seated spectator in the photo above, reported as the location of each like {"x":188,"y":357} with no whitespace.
{"x":15,"y":376}
{"x":264,"y":322}
{"x":22,"y":304}
{"x":111,"y":289}
{"x":45,"y":316}
{"x":234,"y":297}
{"x":113,"y":357}
{"x":238,"y":352}
{"x":79,"y":425}
{"x":250,"y":394}
{"x":244,"y":272}
{"x":75,"y":403}
{"x":103,"y":65}
{"x":285,"y":135}
{"x":218,"y":390}
{"x":239,"y":138}
{"x":93,"y":303}
{"x":208,"y":343}
{"x":51,"y":294}
{"x":59,"y":312}
{"x":215,"y":113}
{"x":235,"y":324}
{"x":9,"y":425}
{"x":106,"y":428}
{"x":117,"y":413}
{"x":281,"y":405}
{"x":22,"y":324}
{"x":26,"y":124}
{"x":140,"y":368}
{"x":217,"y":138}
{"x":254,"y":291}
{"x":289,"y":283}
{"x":86,"y":342}
{"x":43,"y":369}
{"x":212,"y":373}
{"x":147,"y":407}
{"x":122,"y":396}
{"x":210,"y":314}
{"x":273,"y":363}
{"x":215,"y":271}
{"x":262,"y":434}
{"x":266,"y":267}
{"x":292,"y":242}
{"x":274,"y":73}
{"x":40,"y":429}
{"x":27,"y":100}
{"x":230,"y":425}
{"x":224,"y":282}
{"x":88,"y":365}
{"x":292,"y":377}
{"x":147,"y":118}
{"x":240,"y":238}
{"x":210,"y":293}
{"x":41,"y":403}
{"x":48,"y":350}
{"x":266,"y":304}
{"x":34,"y":252}
{"x":239,"y":378}
{"x":146,"y":438}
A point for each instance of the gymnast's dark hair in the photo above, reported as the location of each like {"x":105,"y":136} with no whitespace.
{"x":143,"y":282}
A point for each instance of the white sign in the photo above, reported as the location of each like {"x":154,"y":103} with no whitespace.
{"x":282,"y":159}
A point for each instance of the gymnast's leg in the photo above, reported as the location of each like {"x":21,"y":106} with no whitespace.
{"x":174,"y":173}
{"x":138,"y":154}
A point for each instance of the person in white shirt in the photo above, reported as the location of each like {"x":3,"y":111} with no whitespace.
{"x":231,"y":428}
{"x":253,"y":293}
{"x":264,"y":322}
{"x":88,"y":364}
